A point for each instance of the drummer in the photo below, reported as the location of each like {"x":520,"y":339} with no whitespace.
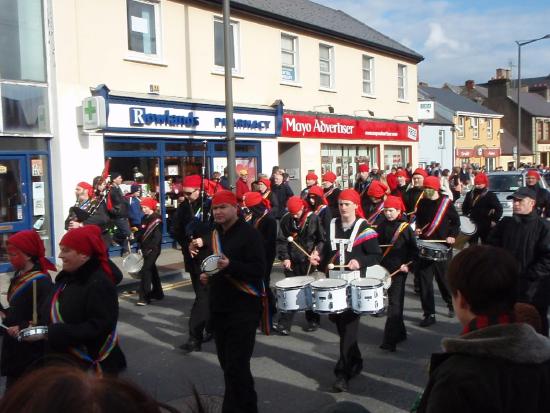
{"x":483,"y":208}
{"x":26,"y":254}
{"x":436,"y":219}
{"x":365,"y":252}
{"x":84,"y":306}
{"x":395,"y":232}
{"x":307,"y":231}
{"x":373,"y":203}
{"x":331,"y":191}
{"x":318,"y":204}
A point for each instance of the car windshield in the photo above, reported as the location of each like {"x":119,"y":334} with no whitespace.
{"x":505,"y":183}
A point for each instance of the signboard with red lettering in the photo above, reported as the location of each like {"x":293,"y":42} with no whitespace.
{"x":491,"y":152}
{"x":307,"y":126}
{"x":464,"y":153}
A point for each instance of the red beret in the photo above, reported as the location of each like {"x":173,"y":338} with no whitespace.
{"x":192,"y":181}
{"x":294,"y":204}
{"x":329,"y":176}
{"x":432,"y":182}
{"x":224,"y":197}
{"x":251,"y":199}
{"x":266,"y":182}
{"x":311,"y":177}
{"x":149,"y":202}
{"x":481,"y":179}
{"x":534,"y":174}
{"x":363,"y":167}
{"x":87,"y":240}
{"x":420,"y":171}
{"x":317,"y":190}
{"x":29,"y":242}
{"x":353,"y":196}
{"x":402,"y":173}
{"x":87,"y":187}
{"x":377,"y":189}
{"x":394,"y":202}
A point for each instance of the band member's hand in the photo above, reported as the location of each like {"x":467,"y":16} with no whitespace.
{"x":314,"y":258}
{"x":223,"y":262}
{"x":193,"y":250}
{"x":404,"y":268}
{"x":450,"y":240}
{"x":203,"y":278}
{"x":74,"y":224}
{"x":197,"y":242}
{"x":287,"y":264}
{"x":13,"y":331}
{"x":493,"y":224}
{"x":353,"y":265}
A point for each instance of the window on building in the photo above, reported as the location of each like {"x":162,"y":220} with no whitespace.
{"x":368,"y":75}
{"x":326,"y":66}
{"x":144,"y":27}
{"x":460,"y":127}
{"x":474,"y":124}
{"x":289,"y":58}
{"x":489,"y":128}
{"x":441,"y":143}
{"x":401,"y":82}
{"x":218,"y":45}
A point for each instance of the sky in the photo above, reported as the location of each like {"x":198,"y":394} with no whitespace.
{"x":461,"y":39}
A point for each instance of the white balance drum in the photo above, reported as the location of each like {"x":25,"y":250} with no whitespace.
{"x":294,"y":293}
{"x":329,"y":296}
{"x":367,"y":296}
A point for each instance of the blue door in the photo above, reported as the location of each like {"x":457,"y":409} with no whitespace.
{"x":14,"y":194}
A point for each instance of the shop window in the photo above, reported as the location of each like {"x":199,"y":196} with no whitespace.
{"x":239,"y":147}
{"x":489,"y":128}
{"x":474,"y":124}
{"x":219,"y":49}
{"x":441,"y":143}
{"x":144,"y":27}
{"x":344,"y":160}
{"x":460,"y":127}
{"x":289,"y":58}
{"x":24,"y":108}
{"x":368,"y":75}
{"x":26,"y":144}
{"x":401,"y":82}
{"x":184,"y":147}
{"x":130,"y":146}
{"x":326,"y":66}
{"x":22,"y":46}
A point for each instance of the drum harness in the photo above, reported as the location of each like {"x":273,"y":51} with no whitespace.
{"x":343,"y":243}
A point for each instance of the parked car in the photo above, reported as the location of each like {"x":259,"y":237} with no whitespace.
{"x":503,"y":184}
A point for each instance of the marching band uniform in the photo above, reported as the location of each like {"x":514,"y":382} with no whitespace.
{"x":414,"y":193}
{"x":402,"y":249}
{"x":331,"y":192}
{"x":308,"y":232}
{"x":436,"y":219}
{"x":483,"y":208}
{"x":401,"y":188}
{"x":311,"y":180}
{"x":361,"y":246}
{"x":318,"y":204}
{"x":272,"y":200}
{"x":364,"y":180}
{"x":373,"y":203}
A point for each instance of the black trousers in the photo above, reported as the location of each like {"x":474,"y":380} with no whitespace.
{"x":199,"y":319}
{"x":122,"y":232}
{"x":394,"y":330}
{"x":285,"y":319}
{"x":150,"y":285}
{"x":350,"y":362}
{"x":543,"y":312}
{"x":235,"y":335}
{"x":427,"y":269}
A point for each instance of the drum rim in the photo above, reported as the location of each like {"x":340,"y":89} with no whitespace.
{"x":325,"y":280}
{"x":380,"y":283}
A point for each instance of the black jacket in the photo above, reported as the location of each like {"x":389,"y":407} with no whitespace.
{"x":483,"y":207}
{"x":410,"y":197}
{"x":543,"y":200}
{"x":120,"y":203}
{"x":404,"y":249}
{"x":267,"y":225}
{"x":427,"y":209}
{"x":527,"y":237}
{"x":275,"y":207}
{"x":332,"y":199}
{"x":151,"y":244}
{"x":19,"y":356}
{"x":498,"y":369}
{"x":89,"y":307}
{"x":370,"y":210}
{"x":282,"y":193}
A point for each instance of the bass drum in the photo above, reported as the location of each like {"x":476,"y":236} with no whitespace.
{"x":467,"y":230}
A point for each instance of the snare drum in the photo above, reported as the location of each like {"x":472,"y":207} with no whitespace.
{"x":367,"y":296}
{"x":330,"y":296}
{"x":433,"y":251}
{"x":133,"y":263}
{"x":467,"y":226}
{"x":31,"y":334}
{"x":345,"y":275}
{"x":294,"y":293}
{"x":210,"y":264}
{"x":378,"y":272}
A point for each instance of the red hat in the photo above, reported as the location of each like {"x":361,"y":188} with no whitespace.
{"x":481,"y":179}
{"x":312,"y":177}
{"x":149,"y":202}
{"x":363,"y":167}
{"x":87,"y":240}
{"x":432,"y":182}
{"x":30,"y":243}
{"x":224,"y":197}
{"x":329,"y":176}
{"x":294,"y":204}
{"x":192,"y":181}
{"x":266,"y":182}
{"x":377,"y":189}
{"x":87,"y":187}
{"x":420,"y":171}
{"x":353,"y":196}
{"x":402,"y":173}
{"x":251,"y":199}
{"x":394,"y":202}
{"x":534,"y":174}
{"x":317,"y":190}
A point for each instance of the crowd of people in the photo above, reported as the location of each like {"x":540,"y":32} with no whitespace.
{"x":403,"y":220}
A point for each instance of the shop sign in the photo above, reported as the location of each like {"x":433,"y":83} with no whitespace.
{"x":491,"y":152}
{"x":464,"y":153}
{"x":148,"y":118}
{"x":307,"y":126}
{"x":93,"y":113}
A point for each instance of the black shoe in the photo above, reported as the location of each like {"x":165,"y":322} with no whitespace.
{"x":190,"y":346}
{"x":207,"y":337}
{"x":340,"y":385}
{"x":387,"y":346}
{"x":281,"y":330}
{"x":311,"y":327}
{"x":427,"y":321}
{"x":451,"y":313}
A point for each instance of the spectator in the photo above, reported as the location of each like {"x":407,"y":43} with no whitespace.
{"x":282,"y":192}
{"x":135,"y":213}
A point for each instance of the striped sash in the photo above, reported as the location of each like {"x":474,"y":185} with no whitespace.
{"x":443,"y":206}
{"x":398,"y":232}
{"x":23,"y":282}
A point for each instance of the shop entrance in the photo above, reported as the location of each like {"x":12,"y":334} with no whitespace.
{"x":344,"y":160}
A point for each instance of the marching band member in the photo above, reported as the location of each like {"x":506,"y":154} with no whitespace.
{"x":436,"y":219}
{"x":364,"y":179}
{"x":415,"y":192}
{"x":396,"y":232}
{"x":27,"y":256}
{"x":318,"y":204}
{"x":264,"y":187}
{"x":311,"y":179}
{"x":331,"y":192}
{"x":402,"y":177}
{"x":362,"y":251}
{"x":373,"y":203}
{"x":307,"y":231}
{"x":483,"y":208}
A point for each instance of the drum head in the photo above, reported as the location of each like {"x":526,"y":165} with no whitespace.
{"x":329,"y":283}
{"x":467,"y":227}
{"x":210,"y":264}
{"x":431,"y":245}
{"x":367,"y":282}
{"x":294,"y":282}
{"x":132,"y":263}
{"x":377,"y":272}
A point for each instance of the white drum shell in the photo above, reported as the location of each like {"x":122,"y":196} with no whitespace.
{"x":367,"y":296}
{"x":345,"y":275}
{"x":31,"y":334}
{"x":294,"y":293}
{"x":330,"y":296}
{"x":467,"y":227}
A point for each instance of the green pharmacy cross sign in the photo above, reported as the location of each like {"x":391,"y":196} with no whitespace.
{"x":90,"y":110}
{"x":93,"y":113}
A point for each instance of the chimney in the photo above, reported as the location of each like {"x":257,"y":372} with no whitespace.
{"x":541,"y":89}
{"x":470,"y":85}
{"x":503,"y":74}
{"x":423,"y":84}
{"x":498,"y":88}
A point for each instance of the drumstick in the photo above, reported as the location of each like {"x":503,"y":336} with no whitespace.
{"x":399,"y":270}
{"x":290,"y":239}
{"x":331,"y":266}
{"x":385,"y":245}
{"x":433,"y":240}
{"x":34,"y":311}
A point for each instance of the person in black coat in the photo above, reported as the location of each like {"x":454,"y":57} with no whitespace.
{"x":400,"y":255}
{"x":483,"y":208}
{"x":26,"y":255}
{"x":496,"y":365}
{"x":414,"y":193}
{"x":532,"y":180}
{"x":318,"y":204}
{"x":149,"y":239}
{"x":282,"y":192}
{"x":84,"y":305}
{"x":264,"y":187}
{"x":331,"y":192}
{"x":527,"y":236}
{"x":118,"y":208}
{"x":373,"y":203}
{"x":402,"y":177}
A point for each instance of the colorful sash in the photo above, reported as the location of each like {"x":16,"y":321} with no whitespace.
{"x":438,"y":219}
{"x":412,"y":214}
{"x":80,"y":352}
{"x":259,"y":220}
{"x":372,"y":218}
{"x":398,"y":232}
{"x":150,"y":228}
{"x":303,"y":220}
{"x":23,"y":282}
{"x":320,"y":209}
{"x":329,"y":193}
{"x":248,"y":288}
{"x":364,"y":236}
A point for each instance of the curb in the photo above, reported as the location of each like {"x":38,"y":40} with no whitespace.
{"x":130,"y":284}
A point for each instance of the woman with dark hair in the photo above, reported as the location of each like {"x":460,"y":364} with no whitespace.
{"x":26,"y":254}
{"x":84,"y":306}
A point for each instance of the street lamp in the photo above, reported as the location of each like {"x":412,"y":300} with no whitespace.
{"x":522,"y":43}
